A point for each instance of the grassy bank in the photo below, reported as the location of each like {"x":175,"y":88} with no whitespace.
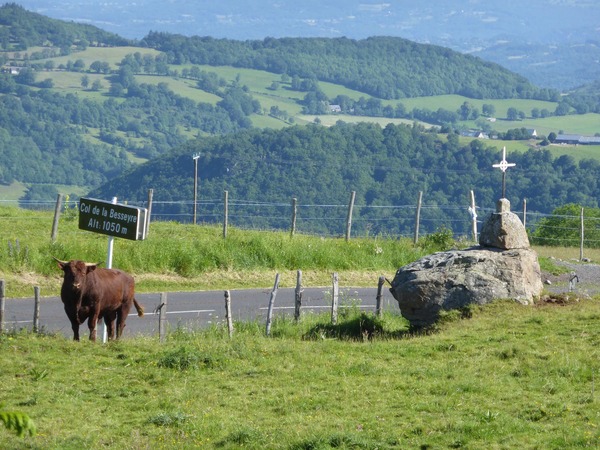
{"x":185,"y":257}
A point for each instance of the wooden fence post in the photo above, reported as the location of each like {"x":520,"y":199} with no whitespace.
{"x":581,"y":239}
{"x":149,"y":213}
{"x":298,"y":296}
{"x":294,"y":213}
{"x":524,"y":213}
{"x":228,"y":313}
{"x":271,"y":305}
{"x":225,"y":212}
{"x":418,"y":216}
{"x":335,"y":299}
{"x":349,"y":216}
{"x":2,"y":303}
{"x":36,"y":309}
{"x":474,"y":216}
{"x":162,"y":317}
{"x":56,"y":217}
{"x":379,"y":306}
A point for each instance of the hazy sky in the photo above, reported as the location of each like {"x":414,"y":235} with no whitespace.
{"x":422,"y":20}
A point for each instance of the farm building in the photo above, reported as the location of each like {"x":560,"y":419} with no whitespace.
{"x":577,"y":139}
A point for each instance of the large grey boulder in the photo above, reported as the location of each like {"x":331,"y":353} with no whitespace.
{"x":503,"y":229}
{"x":455,"y":279}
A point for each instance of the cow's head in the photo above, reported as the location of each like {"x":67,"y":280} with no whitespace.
{"x":75,"y":272}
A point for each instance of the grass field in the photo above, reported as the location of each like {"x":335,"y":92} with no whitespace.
{"x":260,"y":82}
{"x":507,"y":377}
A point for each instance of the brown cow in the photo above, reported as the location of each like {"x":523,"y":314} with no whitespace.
{"x":92,"y":293}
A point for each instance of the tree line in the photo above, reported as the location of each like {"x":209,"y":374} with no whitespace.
{"x":384,"y":67}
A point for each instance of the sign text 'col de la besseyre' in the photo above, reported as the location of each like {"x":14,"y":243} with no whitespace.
{"x":112,"y":219}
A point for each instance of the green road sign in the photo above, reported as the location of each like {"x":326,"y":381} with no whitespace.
{"x":112,"y":219}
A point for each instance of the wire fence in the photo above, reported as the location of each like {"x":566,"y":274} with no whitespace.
{"x":334,"y":220}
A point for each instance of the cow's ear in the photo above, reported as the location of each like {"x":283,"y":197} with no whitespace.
{"x":61,"y":264}
{"x":91,"y":267}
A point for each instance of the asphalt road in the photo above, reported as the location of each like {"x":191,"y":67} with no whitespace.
{"x":193,"y":310}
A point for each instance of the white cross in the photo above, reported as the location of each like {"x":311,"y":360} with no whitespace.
{"x":503,"y":165}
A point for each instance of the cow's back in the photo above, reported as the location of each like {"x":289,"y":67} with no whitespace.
{"x":109,"y":288}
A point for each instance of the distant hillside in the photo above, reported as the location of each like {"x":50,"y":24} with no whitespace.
{"x":553,"y":43}
{"x":384,"y":67}
{"x":70,"y":118}
{"x":21,"y":29}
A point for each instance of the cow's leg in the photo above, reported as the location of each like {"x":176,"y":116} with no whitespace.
{"x":121,"y":317}
{"x":74,"y":323}
{"x":75,"y":327}
{"x":109,"y":320}
{"x":92,"y":321}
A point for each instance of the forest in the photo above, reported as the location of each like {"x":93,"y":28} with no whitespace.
{"x":384,"y":166}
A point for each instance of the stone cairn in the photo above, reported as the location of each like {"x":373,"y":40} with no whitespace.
{"x":502,"y":266}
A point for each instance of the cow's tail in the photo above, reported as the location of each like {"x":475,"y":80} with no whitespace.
{"x":138,"y":307}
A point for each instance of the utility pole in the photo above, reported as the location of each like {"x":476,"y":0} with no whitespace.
{"x":195,"y":158}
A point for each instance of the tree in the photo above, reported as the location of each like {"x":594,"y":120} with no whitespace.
{"x":26,"y":76}
{"x":512,"y":113}
{"x":552,"y":136}
{"x":562,"y":228}
{"x":97,"y":66}
{"x":465,"y":111}
{"x":116,"y":89}
{"x":96,"y":85}
{"x":562,"y":109}
{"x":79,"y":65}
{"x":488,"y":110}
{"x":85,"y":81}
{"x":47,"y":83}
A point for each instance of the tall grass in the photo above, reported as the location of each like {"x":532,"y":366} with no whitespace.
{"x":185,"y":257}
{"x":178,"y":256}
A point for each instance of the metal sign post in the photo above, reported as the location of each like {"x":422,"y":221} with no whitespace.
{"x":114,"y":220}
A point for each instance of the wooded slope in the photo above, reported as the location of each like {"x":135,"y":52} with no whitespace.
{"x":389,"y":166}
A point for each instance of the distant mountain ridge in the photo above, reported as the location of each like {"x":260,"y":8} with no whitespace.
{"x":25,"y":28}
{"x":553,"y":43}
{"x":384,"y":67}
